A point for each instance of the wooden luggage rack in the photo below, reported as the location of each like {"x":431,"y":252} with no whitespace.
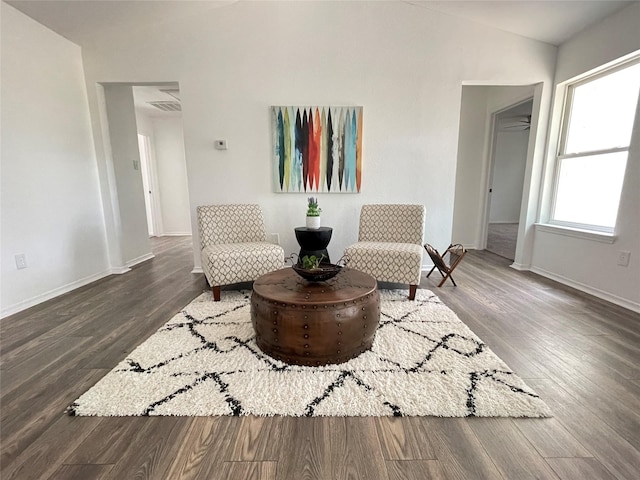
{"x":456,"y":253}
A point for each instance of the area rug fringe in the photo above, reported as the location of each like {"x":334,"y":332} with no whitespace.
{"x":204,"y":362}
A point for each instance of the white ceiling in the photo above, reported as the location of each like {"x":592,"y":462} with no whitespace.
{"x":549,"y":21}
{"x":85,"y":21}
{"x":144,"y":95}
{"x":545,"y":20}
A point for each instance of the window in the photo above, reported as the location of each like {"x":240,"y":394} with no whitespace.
{"x":594,"y":145}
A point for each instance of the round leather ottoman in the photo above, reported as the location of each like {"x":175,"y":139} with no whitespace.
{"x":315,"y":323}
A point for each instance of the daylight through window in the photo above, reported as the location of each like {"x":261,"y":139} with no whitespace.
{"x":594,"y":145}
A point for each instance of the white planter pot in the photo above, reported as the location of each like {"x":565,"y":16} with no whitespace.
{"x":313,"y":222}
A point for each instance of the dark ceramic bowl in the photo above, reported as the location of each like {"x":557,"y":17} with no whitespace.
{"x":324,"y":272}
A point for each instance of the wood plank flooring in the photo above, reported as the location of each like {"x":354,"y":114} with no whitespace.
{"x":579,"y":353}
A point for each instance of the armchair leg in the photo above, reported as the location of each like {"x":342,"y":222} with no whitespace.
{"x":216,"y":293}
{"x":412,"y":292}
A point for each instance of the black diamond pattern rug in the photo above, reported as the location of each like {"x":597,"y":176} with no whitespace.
{"x":204,"y":361}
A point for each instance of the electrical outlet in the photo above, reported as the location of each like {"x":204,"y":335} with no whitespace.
{"x":21,"y":261}
{"x":623,"y":258}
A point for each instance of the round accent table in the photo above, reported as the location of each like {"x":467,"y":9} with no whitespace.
{"x":315,"y":323}
{"x":314,"y":241}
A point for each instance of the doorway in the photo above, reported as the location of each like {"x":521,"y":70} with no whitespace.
{"x":511,"y":127}
{"x":158,"y":113}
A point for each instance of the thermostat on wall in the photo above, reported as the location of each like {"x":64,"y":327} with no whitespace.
{"x":221,"y":144}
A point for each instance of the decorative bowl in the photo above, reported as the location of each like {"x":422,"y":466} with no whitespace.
{"x":324,"y":272}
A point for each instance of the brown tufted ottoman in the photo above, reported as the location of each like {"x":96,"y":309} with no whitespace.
{"x":315,"y":323}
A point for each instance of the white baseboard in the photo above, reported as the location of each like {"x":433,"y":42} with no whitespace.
{"x":56,"y":292}
{"x":197,"y":270}
{"x":175,"y":234}
{"x":140,"y":259}
{"x":596,"y":292}
{"x":520,"y":266}
{"x":119,"y":270}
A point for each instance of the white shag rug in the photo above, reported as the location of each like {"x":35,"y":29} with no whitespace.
{"x":204,"y":361}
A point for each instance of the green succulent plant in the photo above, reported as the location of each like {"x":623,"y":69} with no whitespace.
{"x":311,"y":262}
{"x":313,"y":210}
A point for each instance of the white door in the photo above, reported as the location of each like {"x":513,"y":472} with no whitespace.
{"x":145,"y":163}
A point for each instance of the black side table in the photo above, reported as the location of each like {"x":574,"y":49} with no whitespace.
{"x":314,"y":241}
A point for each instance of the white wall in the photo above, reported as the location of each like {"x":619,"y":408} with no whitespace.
{"x":172,"y":175}
{"x":404,"y":64}
{"x":587,"y":264}
{"x":50,"y":204}
{"x":469,"y":188}
{"x":508,"y":175}
{"x":167,"y":148}
{"x":125,"y":158}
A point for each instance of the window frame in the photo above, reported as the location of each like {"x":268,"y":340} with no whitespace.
{"x":565,"y":121}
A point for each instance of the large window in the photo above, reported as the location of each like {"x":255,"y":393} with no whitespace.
{"x":594,"y":144}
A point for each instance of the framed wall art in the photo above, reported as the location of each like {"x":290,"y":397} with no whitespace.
{"x":317,"y":149}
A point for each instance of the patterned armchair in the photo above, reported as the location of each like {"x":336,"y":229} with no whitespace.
{"x":389,"y":246}
{"x":233,"y":245}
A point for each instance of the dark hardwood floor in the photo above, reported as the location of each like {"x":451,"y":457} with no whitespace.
{"x":579,"y":353}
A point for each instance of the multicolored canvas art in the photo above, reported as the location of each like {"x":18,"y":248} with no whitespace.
{"x":317,"y":149}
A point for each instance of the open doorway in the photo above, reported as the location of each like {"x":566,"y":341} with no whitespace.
{"x":164,"y":174}
{"x":480,"y":107}
{"x":129,"y":112}
{"x":511,"y":127}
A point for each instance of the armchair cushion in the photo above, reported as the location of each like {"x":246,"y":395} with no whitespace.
{"x":387,"y":262}
{"x":240,"y":262}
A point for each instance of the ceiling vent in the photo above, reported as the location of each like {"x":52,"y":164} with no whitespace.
{"x":168,"y":106}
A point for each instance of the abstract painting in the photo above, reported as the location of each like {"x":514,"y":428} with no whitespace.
{"x":317,"y":149}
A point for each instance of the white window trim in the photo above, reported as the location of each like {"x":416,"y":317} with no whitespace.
{"x":567,"y":231}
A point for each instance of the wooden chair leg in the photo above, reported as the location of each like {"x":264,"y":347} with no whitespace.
{"x":216,"y":293}
{"x":412,"y":292}
{"x":444,"y":279}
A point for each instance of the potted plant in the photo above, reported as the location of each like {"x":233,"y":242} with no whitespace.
{"x":313,"y":213}
{"x":311,"y":262}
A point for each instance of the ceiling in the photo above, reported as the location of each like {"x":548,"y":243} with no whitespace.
{"x":166,"y":97}
{"x":85,"y":21}
{"x":549,"y":21}
{"x":545,"y":20}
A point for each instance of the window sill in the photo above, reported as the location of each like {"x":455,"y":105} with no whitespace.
{"x":601,"y":237}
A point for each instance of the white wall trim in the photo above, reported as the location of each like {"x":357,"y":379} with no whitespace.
{"x":197,"y":270}
{"x":588,"y":289}
{"x":521,"y":267}
{"x":119,"y":270}
{"x":140,"y":259}
{"x":175,"y":234}
{"x":30,"y":302}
